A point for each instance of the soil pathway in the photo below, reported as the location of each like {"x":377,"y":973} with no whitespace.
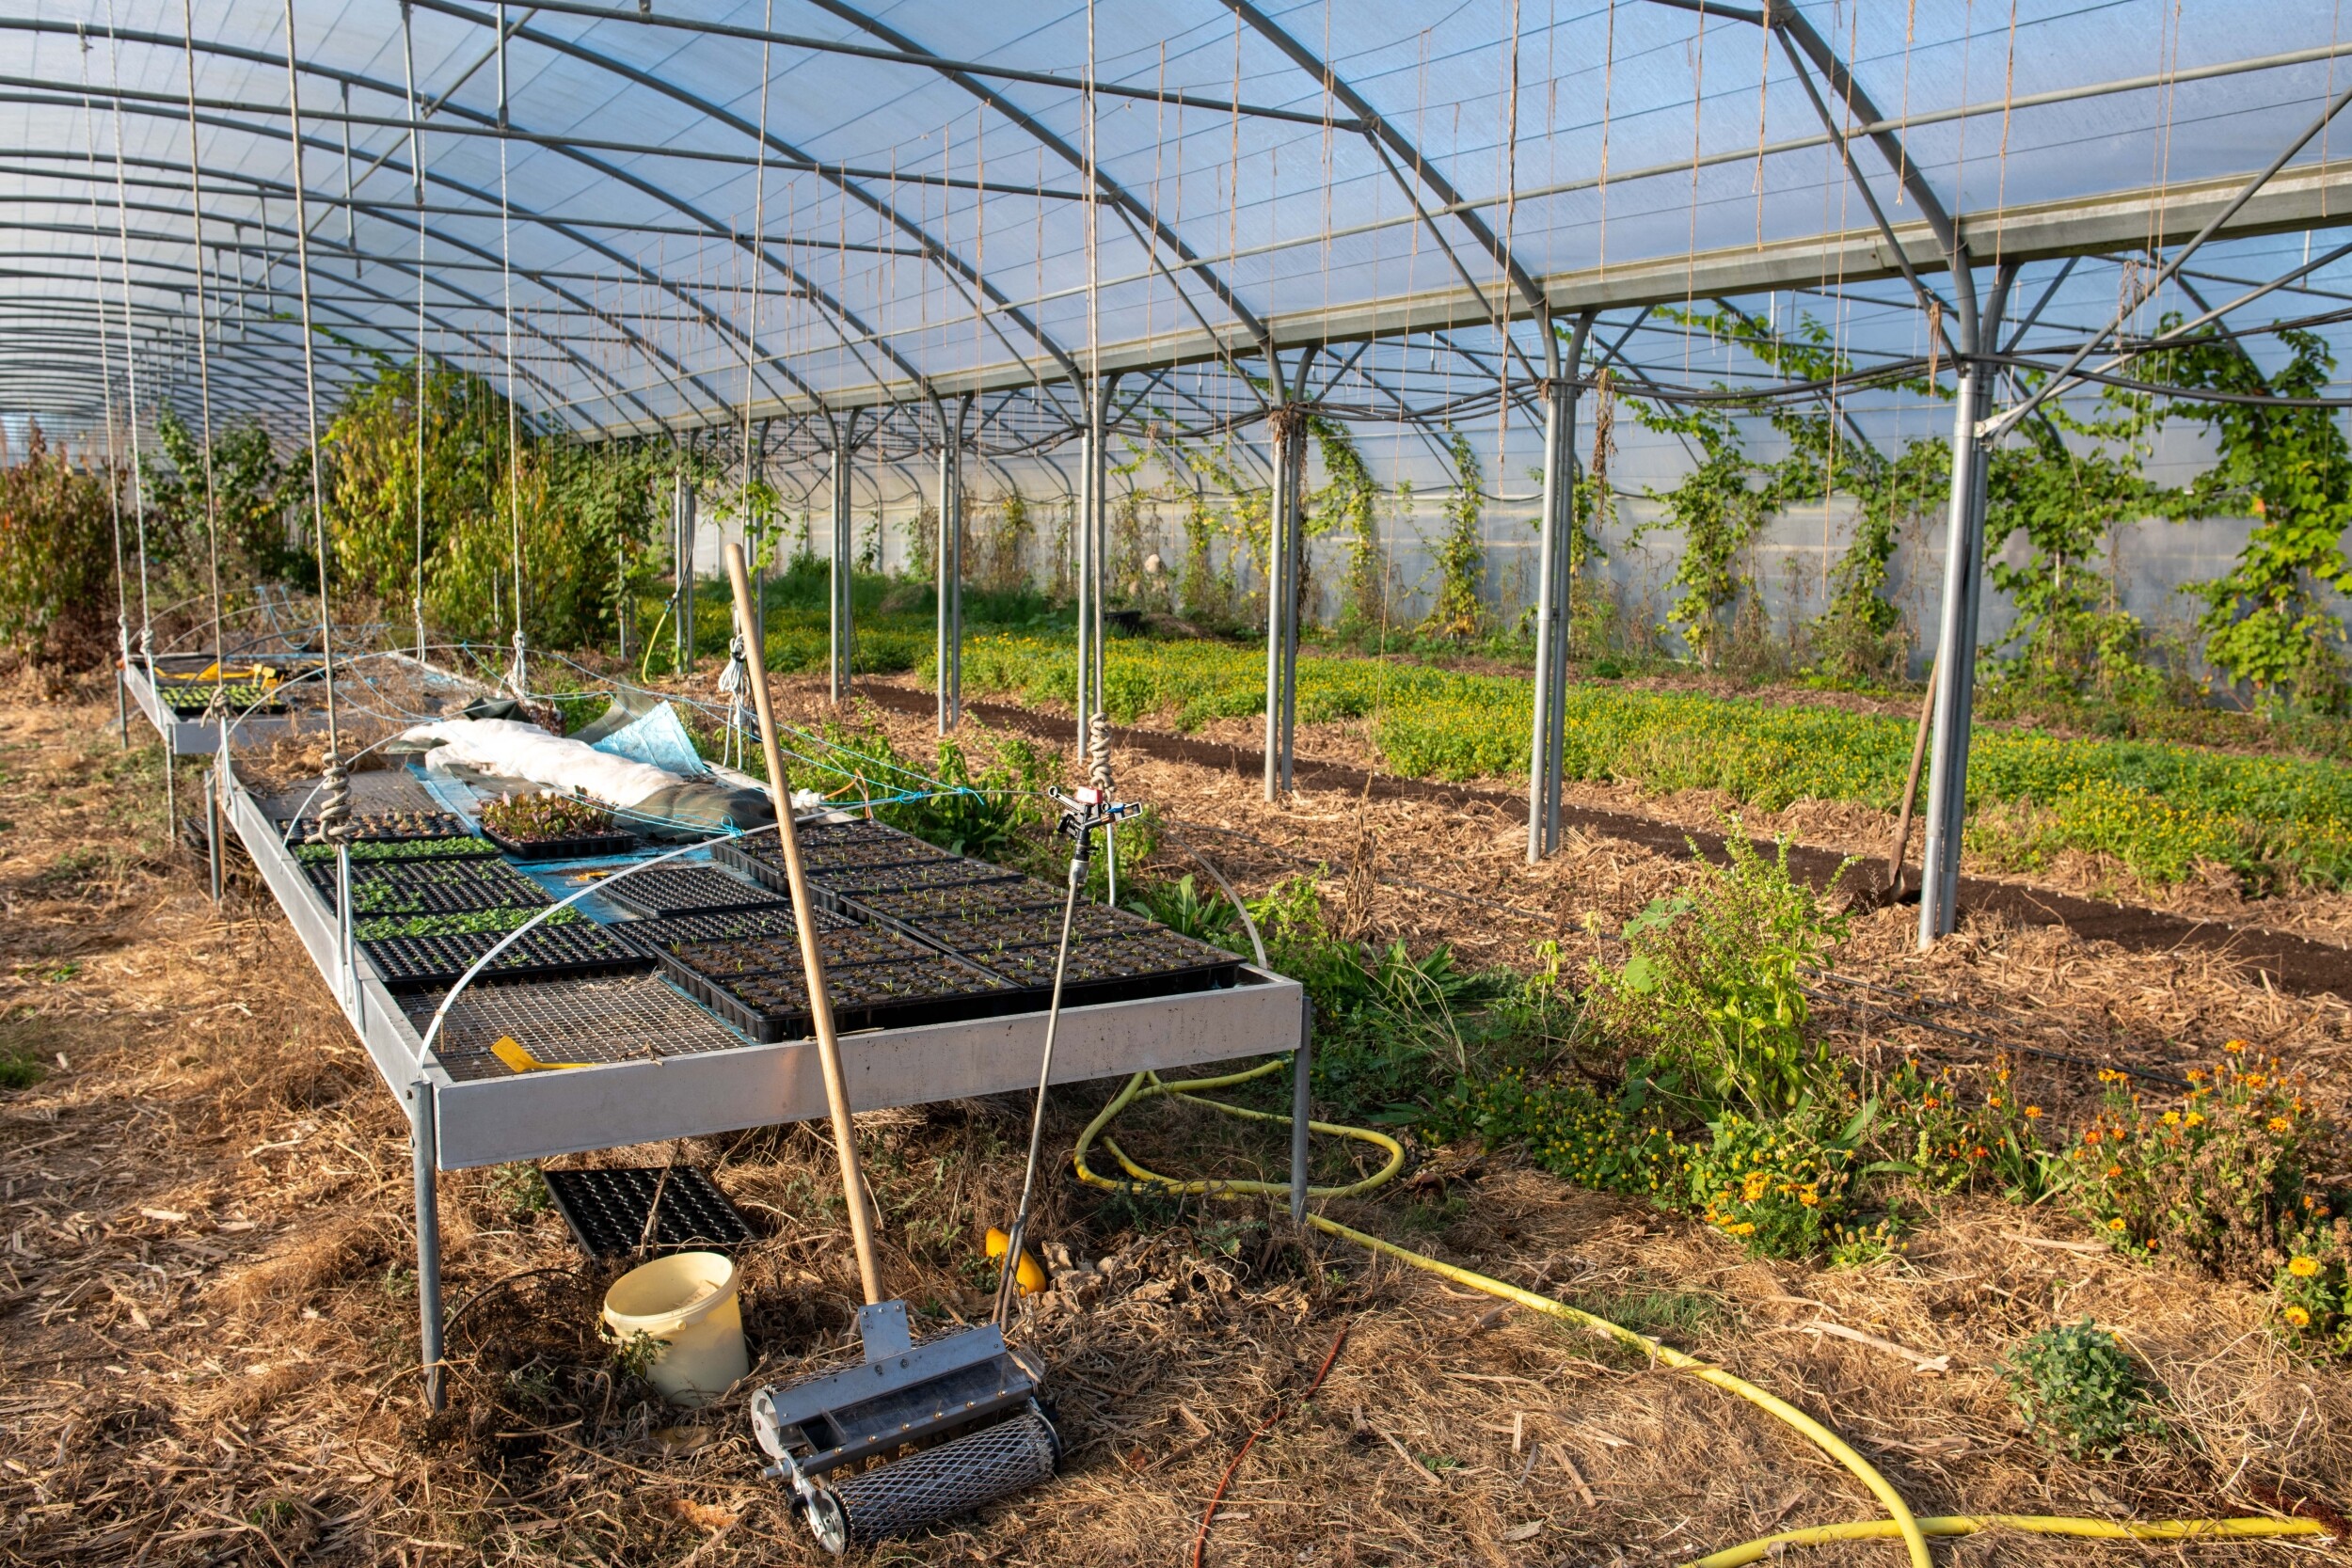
{"x":2292,"y":963}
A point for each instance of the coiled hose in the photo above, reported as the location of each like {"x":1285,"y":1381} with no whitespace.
{"x":1900,"y":1522}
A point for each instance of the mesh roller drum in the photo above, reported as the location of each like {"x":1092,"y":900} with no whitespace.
{"x":954,"y":1478}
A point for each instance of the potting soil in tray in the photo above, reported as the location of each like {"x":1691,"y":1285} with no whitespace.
{"x":930,"y":988}
{"x":574,"y":847}
{"x":685,"y":889}
{"x":773,"y":955}
{"x":413,"y":963}
{"x":1155,"y":962}
{"x":608,"y":1210}
{"x":390,"y":827}
{"x":876,"y":979}
{"x":981,"y":931}
{"x":674,"y":930}
{"x":853,"y":881}
{"x":452,"y":887}
{"x":385,"y":927}
{"x":406,"y":850}
{"x":967,"y":901}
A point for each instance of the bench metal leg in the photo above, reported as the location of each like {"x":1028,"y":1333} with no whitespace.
{"x":1302,"y":1068}
{"x":423,"y":1144}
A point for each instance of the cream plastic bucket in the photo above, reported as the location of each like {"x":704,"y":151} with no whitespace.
{"x":688,"y":1300}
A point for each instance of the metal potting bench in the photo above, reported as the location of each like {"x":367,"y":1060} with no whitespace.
{"x":685,"y":1080}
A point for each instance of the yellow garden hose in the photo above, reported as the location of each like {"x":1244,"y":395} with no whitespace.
{"x":2029,"y":1524}
{"x":1913,"y":1531}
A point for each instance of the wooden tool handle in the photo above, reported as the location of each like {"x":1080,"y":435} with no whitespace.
{"x":804,"y":917}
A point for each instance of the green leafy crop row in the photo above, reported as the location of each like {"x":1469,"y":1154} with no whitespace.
{"x":2157,"y":808}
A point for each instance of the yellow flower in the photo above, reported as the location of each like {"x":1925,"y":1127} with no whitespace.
{"x":2171,"y":1119}
{"x":2299,"y":1318}
{"x":2234,"y":1047}
{"x":2115,"y":1224}
{"x":2303,"y":1268}
{"x":2195,"y":1118}
{"x":2033,"y":1112}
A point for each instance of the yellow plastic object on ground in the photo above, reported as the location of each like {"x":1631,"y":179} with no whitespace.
{"x":686,"y":1303}
{"x":1032,"y":1276}
{"x":507,"y":1049}
{"x":2249,"y":1528}
{"x":1900,"y":1523}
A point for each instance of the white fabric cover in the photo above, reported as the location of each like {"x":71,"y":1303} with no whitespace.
{"x":508,"y":748}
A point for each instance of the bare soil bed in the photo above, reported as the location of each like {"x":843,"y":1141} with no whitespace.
{"x":208,"y":1329}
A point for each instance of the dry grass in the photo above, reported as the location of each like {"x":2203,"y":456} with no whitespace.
{"x":209,"y":1321}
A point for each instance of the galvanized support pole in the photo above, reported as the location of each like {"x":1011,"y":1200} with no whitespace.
{"x":1092,"y":535}
{"x":842,"y":632}
{"x":212,"y":820}
{"x":1956,"y":639}
{"x":1287,"y":426}
{"x":1302,"y":1073}
{"x":1553,"y":579}
{"x":948,"y":657}
{"x":424,"y":1146}
{"x":682,"y":559}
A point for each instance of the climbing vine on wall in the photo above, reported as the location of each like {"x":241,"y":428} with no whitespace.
{"x":1456,"y":610}
{"x":2292,"y":468}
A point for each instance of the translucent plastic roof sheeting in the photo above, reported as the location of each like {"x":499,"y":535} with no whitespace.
{"x":913,"y":224}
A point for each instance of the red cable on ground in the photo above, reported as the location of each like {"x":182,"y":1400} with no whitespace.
{"x":1200,"y":1542}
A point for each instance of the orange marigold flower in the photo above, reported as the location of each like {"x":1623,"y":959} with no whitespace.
{"x":2280,"y":1124}
{"x":2299,"y":1318}
{"x":2033,"y":1112}
{"x":2114,"y":1224}
{"x":2233,"y":1047}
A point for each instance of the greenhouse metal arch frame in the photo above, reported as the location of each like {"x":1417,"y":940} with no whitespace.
{"x":1627,"y":168}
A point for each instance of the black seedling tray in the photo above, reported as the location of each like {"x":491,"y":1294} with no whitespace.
{"x":387,"y":928}
{"x":767,"y":920}
{"x":930,"y":988}
{"x":578,"y":846}
{"x":853,"y":881}
{"x":420,"y":963}
{"x":844,"y":944}
{"x":1112,"y":968}
{"x":607,"y":1210}
{"x":667,"y":890}
{"x":418,"y":852}
{"x":982,"y":932}
{"x":457,"y":887}
{"x":400,"y":827}
{"x":904,"y":907}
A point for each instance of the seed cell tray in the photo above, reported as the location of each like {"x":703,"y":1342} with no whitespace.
{"x":577,"y":847}
{"x":391,"y":851}
{"x":1156,"y":962}
{"x":928,"y":987}
{"x":454,"y":887}
{"x":854,"y":882}
{"x":978,"y":934}
{"x":397,"y":827}
{"x":781,"y":955}
{"x":667,"y":890}
{"x":607,"y":1210}
{"x":388,"y":927}
{"x":674,"y":930}
{"x":970,"y":901}
{"x":415,"y":963}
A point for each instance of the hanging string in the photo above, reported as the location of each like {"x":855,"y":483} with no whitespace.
{"x":204,"y":369}
{"x":335,"y":806}
{"x":105,"y":367}
{"x":131,"y":360}
{"x":416,"y":186}
{"x":515,"y":676}
{"x":735,"y":666}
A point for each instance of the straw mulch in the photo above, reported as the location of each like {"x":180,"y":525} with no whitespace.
{"x":210,"y":1327}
